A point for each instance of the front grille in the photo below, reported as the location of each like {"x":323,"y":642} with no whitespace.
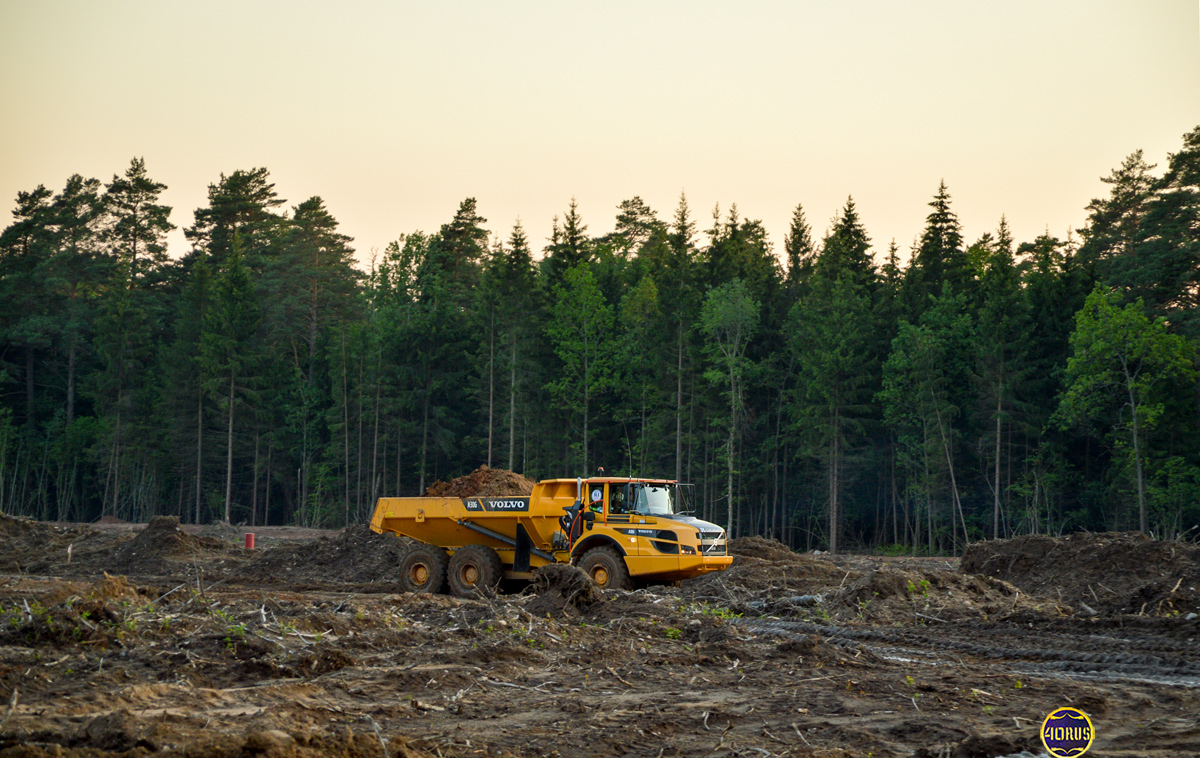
{"x":713,"y":543}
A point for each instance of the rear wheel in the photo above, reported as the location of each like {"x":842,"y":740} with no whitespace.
{"x":423,"y":569}
{"x":606,"y":568}
{"x":472,"y":568}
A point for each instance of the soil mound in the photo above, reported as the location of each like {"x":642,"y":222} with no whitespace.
{"x":159,"y":547}
{"x":817,"y":653}
{"x":750,"y":577}
{"x":562,"y":590}
{"x":30,"y":546}
{"x":891,"y":595}
{"x":1107,"y":573}
{"x":219,"y":530}
{"x":483,"y":482}
{"x":356,"y":556}
{"x":764,"y":548}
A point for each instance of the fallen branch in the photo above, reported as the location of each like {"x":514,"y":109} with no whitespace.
{"x":618,"y":676}
{"x":12,"y":706}
{"x":378,"y":734}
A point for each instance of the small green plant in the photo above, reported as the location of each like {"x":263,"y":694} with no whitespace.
{"x":673,"y":633}
{"x":233,"y":635}
{"x":921,"y":588}
{"x":989,"y":709}
{"x":1017,"y":685}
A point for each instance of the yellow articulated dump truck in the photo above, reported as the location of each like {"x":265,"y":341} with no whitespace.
{"x":620,"y":531}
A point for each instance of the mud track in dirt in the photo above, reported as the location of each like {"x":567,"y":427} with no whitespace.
{"x":306,"y":648}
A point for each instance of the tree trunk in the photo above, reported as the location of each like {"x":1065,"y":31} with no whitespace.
{"x":345,"y":436}
{"x":679,"y":407}
{"x":117,"y":460}
{"x":957,"y":504}
{"x":732,"y":433}
{"x":587,"y":378}
{"x":833,"y":485}
{"x":254,"y":486}
{"x":512,"y":405}
{"x":30,"y":406}
{"x":491,"y":385}
{"x":267,"y":494}
{"x":199,"y":451}
{"x":71,"y":360}
{"x":996,"y":497}
{"x":1143,"y":524}
{"x":424,"y":440}
{"x":229,"y":453}
{"x":375,"y":480}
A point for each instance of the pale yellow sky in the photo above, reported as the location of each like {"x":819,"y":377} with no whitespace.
{"x":394,"y":112}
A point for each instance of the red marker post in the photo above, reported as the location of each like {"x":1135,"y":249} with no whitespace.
{"x":249,"y":540}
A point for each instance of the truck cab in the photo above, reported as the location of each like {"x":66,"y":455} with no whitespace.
{"x":647,"y":522}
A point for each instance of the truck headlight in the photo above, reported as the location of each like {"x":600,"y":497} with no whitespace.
{"x":687,"y":549}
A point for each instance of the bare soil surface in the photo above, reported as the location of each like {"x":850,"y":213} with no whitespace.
{"x":154,"y":639}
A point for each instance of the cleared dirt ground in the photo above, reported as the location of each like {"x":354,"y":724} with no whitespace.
{"x":133,"y":640}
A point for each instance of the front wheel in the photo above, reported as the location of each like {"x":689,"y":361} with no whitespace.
{"x":606,"y":568}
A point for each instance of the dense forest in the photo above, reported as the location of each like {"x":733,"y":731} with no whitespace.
{"x":831,"y":393}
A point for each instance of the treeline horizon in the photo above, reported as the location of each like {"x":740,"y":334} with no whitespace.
{"x":977,"y":389}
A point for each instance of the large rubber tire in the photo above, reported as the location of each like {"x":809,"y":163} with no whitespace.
{"x":423,"y":569}
{"x":606,"y":568}
{"x":474,"y":569}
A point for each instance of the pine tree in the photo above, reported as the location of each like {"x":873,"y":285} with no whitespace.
{"x":569,"y":246}
{"x":800,"y":253}
{"x":1112,"y":230}
{"x":939,"y":259}
{"x":729,"y":320}
{"x":244,"y":204}
{"x":227,"y":347}
{"x":25,"y":253}
{"x":846,"y":251}
{"x":581,"y":329}
{"x":137,"y":223}
{"x":831,"y":340}
{"x":1001,"y":365}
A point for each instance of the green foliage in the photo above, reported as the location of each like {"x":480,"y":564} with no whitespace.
{"x":581,"y":332}
{"x":1123,"y":373}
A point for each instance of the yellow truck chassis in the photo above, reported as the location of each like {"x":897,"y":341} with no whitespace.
{"x":471,"y":543}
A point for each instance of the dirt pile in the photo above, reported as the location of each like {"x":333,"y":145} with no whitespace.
{"x":561,"y":590}
{"x":483,"y":482}
{"x":764,"y":566}
{"x":356,"y":556}
{"x":161,"y":547}
{"x":765,"y":548}
{"x":1098,"y":574}
{"x":892,"y":595}
{"x":30,"y":546}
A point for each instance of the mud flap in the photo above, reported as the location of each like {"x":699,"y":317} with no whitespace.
{"x":523,"y":547}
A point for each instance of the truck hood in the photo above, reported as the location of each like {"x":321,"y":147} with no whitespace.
{"x":700,"y":524}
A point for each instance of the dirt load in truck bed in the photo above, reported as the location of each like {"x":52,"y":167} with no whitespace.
{"x":483,"y":482}
{"x":302,"y":649}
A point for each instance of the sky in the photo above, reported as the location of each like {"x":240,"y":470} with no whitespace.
{"x":394,"y":112}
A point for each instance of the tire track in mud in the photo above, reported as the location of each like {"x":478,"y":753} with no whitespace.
{"x":1136,"y":656}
